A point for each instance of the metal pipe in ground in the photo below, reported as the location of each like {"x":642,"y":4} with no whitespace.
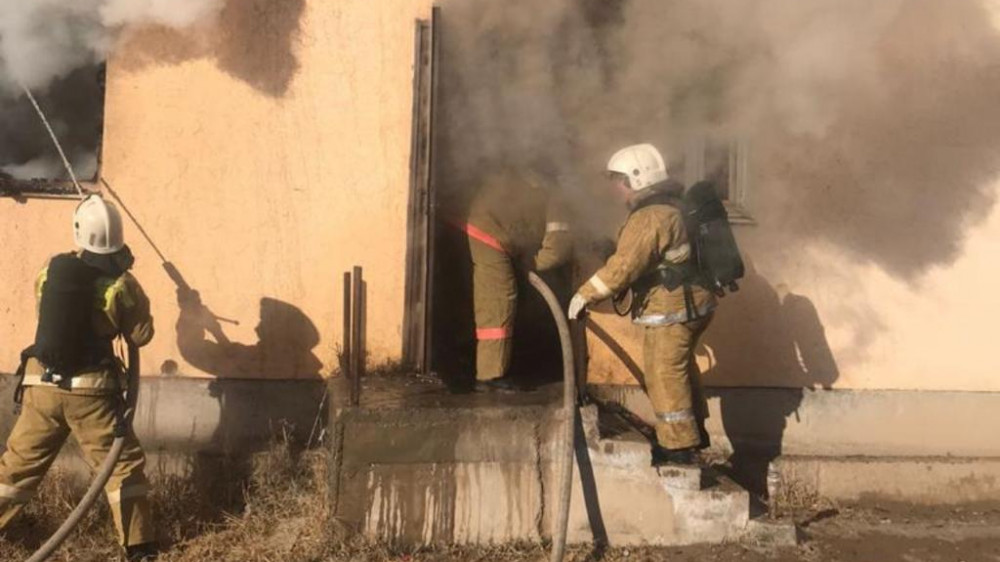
{"x":357,"y":336}
{"x":346,"y":370}
{"x":345,"y":349}
{"x":569,"y":413}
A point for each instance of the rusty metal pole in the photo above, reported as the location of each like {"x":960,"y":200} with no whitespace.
{"x":357,"y":357}
{"x":362,"y":333}
{"x":339,"y":413}
{"x":345,"y":350}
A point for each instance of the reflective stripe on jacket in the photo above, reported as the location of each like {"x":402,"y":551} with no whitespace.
{"x":525,"y":218}
{"x":120,"y":307}
{"x":651,"y":236}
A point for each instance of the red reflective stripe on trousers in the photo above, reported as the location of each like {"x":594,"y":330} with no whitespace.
{"x":484,"y":238}
{"x":486,"y":334}
{"x":480,"y":235}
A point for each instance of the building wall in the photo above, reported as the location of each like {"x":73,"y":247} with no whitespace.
{"x":873,"y":258}
{"x":814,"y":314}
{"x":265,"y":155}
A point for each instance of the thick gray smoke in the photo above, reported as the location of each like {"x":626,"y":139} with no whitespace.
{"x":56,"y":48}
{"x":41,"y":40}
{"x":845,"y":103}
{"x":531,"y":76}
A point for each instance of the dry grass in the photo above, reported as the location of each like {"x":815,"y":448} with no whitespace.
{"x":278,"y":511}
{"x":273,"y":509}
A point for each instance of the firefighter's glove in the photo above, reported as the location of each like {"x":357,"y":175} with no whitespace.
{"x":576,"y":306}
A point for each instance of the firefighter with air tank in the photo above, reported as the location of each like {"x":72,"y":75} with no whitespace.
{"x":72,"y":381}
{"x":673,"y":297}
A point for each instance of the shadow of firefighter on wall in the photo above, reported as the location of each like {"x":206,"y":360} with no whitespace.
{"x":764,"y":333}
{"x":251,"y":412}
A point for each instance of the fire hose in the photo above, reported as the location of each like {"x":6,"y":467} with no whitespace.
{"x":569,"y":412}
{"x":122,"y":428}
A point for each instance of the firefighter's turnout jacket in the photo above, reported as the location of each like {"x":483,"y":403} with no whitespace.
{"x":514,"y":222}
{"x":654,"y":236}
{"x":87,"y":406}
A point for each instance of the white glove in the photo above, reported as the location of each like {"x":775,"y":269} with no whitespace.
{"x":576,"y":306}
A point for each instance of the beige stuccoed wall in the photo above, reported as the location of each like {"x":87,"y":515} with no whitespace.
{"x":932,"y":333}
{"x":265,"y":155}
{"x":873,"y":260}
{"x":269,"y":154}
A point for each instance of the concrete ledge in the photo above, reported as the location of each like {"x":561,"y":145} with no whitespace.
{"x":210,"y":415}
{"x":926,"y":481}
{"x":871,"y":423}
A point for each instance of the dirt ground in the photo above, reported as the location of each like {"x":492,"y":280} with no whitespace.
{"x":277,"y":511}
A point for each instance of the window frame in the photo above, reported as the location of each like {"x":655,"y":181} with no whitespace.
{"x":41,"y":188}
{"x":739,"y":168}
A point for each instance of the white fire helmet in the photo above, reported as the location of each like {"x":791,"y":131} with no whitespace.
{"x":641,"y":163}
{"x":97,"y":226}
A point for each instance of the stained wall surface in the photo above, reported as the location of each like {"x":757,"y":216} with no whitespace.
{"x":269,"y":154}
{"x":872,"y":259}
{"x":265,"y":156}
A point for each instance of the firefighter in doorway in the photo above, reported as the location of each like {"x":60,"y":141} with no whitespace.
{"x":654,"y":239}
{"x":72,"y":380}
{"x":516,"y":223}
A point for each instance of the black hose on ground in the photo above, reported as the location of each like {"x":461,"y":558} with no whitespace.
{"x":106,"y":469}
{"x":569,"y":416}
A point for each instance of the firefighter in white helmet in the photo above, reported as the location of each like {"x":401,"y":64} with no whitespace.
{"x":71,"y":379}
{"x":674,"y":313}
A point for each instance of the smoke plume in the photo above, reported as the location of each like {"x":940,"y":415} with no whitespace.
{"x":535,"y":75}
{"x":56,"y":48}
{"x":42,"y":40}
{"x":570,"y":81}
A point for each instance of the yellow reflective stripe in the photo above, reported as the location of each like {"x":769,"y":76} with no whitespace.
{"x":600,"y":287}
{"x":123,"y":290}
{"x":109,"y":300}
{"x":676,"y":417}
{"x":127,"y":493}
{"x":87,"y":381}
{"x":43,"y":276}
{"x":16,"y":494}
{"x":557,"y":227}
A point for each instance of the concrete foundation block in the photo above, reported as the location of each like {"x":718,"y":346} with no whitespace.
{"x":490,"y":475}
{"x":453,"y":503}
{"x":621,"y":453}
{"x":711,"y":516}
{"x":635,"y":505}
{"x":922,"y":481}
{"x":680,"y":477}
{"x":768,"y":532}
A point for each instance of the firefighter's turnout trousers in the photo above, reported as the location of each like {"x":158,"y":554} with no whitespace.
{"x":513,"y":217}
{"x":494,"y":293}
{"x":672,"y":380}
{"x":49,"y":415}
